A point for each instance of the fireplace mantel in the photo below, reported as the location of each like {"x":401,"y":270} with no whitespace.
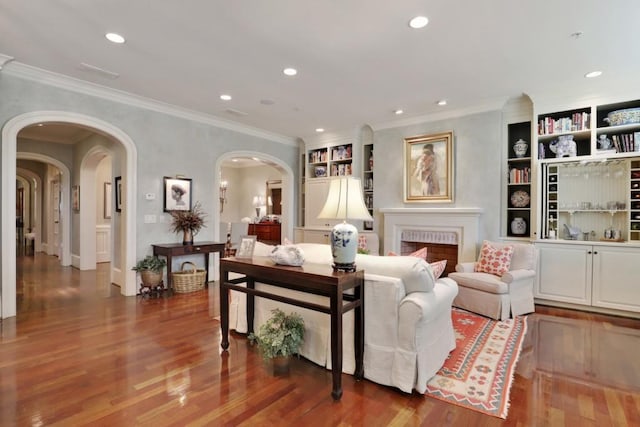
{"x":463,"y":221}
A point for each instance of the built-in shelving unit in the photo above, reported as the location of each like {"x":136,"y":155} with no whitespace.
{"x":634,"y":201}
{"x":519,"y":180}
{"x":335,"y":160}
{"x":367,"y":182}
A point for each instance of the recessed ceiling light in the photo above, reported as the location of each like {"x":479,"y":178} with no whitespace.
{"x":593,"y":74}
{"x":225,"y":97}
{"x":255,"y":159}
{"x":234,"y":160}
{"x":442,"y":102}
{"x":398,"y":112}
{"x":290,"y":71}
{"x":114,"y":38}
{"x":40,"y":124}
{"x":267,"y":101}
{"x":319,"y":130}
{"x":419,"y":22}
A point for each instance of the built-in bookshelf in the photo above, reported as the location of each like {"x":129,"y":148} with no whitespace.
{"x":568,"y":131}
{"x":519,"y":180}
{"x":335,"y":160}
{"x":634,"y":200}
{"x":367,"y":183}
{"x":618,"y":128}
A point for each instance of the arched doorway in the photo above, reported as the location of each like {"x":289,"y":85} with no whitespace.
{"x":288,"y":186}
{"x":35,"y":207}
{"x":122,"y":270}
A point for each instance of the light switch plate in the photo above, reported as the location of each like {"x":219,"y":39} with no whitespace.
{"x":150,"y":196}
{"x":149,"y":219}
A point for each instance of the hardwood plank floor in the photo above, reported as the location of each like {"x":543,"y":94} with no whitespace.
{"x":79,"y":353}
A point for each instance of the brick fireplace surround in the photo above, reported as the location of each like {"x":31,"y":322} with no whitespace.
{"x":448,"y":233}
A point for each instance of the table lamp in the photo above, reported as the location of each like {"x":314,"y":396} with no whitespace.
{"x":344,"y":202}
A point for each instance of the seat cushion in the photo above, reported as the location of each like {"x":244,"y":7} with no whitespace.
{"x":481,"y":281}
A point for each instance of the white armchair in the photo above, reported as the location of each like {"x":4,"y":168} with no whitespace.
{"x":494,"y":296}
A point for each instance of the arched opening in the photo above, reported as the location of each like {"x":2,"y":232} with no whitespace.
{"x":121,"y":268}
{"x":287,"y":193}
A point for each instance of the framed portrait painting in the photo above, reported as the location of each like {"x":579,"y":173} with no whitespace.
{"x":428,"y":168}
{"x":118,"y":185}
{"x":75,"y":198}
{"x":177,"y":194}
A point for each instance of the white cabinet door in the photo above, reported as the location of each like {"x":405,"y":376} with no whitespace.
{"x":616,"y":278}
{"x":317,"y":236}
{"x":315,"y":195}
{"x":564,"y":273}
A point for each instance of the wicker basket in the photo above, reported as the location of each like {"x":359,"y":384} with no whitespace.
{"x":188,"y":280}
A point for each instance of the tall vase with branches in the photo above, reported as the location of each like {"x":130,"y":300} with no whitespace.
{"x":188,"y":222}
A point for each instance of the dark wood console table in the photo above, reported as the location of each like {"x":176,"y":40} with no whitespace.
{"x":169,"y":250}
{"x":315,"y":279}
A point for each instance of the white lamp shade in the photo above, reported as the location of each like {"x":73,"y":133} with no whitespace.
{"x":345,"y":201}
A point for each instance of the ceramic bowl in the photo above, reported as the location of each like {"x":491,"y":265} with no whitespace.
{"x":623,"y":117}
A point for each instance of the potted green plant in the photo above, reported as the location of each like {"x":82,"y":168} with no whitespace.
{"x":150,"y":269}
{"x":280,"y":337}
{"x":188,"y":222}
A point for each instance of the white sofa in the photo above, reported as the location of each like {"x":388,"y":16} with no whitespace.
{"x":408,"y":327}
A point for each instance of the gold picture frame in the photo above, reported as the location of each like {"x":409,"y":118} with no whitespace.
{"x":428,"y":168}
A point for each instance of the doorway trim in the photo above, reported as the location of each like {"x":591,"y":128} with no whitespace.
{"x":288,"y":187}
{"x":129,"y":183}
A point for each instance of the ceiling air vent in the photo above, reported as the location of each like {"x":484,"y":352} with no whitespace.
{"x":236,"y":112}
{"x":99,"y":71}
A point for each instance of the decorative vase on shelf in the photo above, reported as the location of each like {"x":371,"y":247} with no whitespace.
{"x":187,"y":237}
{"x":518,"y":226}
{"x":520,"y":148}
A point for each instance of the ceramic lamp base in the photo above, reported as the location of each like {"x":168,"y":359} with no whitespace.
{"x":344,"y":245}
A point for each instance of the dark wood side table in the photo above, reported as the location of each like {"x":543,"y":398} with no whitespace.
{"x":311,"y":278}
{"x":169,"y":250}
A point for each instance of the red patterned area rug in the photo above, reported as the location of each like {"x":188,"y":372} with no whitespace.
{"x":478,"y":373}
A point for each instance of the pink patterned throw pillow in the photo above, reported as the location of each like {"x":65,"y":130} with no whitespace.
{"x":493,"y":260}
{"x":362,"y":244}
{"x":438,"y":268}
{"x":420,"y":253}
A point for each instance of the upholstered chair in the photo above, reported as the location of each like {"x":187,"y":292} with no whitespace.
{"x":498,"y":296}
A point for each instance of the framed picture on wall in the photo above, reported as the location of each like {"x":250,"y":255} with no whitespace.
{"x":118,"y":185}
{"x":177,"y":194}
{"x":428,"y":168}
{"x":75,"y":198}
{"x":107,"y":200}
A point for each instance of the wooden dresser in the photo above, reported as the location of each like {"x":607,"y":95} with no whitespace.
{"x":267,"y":232}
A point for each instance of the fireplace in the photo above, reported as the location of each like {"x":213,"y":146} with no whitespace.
{"x":448,"y":233}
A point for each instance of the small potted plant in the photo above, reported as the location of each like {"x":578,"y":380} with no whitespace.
{"x":188,"y":222}
{"x":150,"y":269}
{"x":280,"y":337}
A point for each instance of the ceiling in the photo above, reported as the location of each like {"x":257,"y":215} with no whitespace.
{"x":357,"y":60}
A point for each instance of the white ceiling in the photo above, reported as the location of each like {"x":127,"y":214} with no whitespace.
{"x":357,"y":59}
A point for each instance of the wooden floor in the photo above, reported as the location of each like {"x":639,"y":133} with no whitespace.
{"x":78,"y":353}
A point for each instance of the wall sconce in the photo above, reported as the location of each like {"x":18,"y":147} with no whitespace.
{"x":223,"y":194}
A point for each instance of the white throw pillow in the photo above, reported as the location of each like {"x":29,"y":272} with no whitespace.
{"x":416,"y":273}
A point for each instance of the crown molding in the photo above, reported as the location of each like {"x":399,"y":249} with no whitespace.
{"x":4,"y":60}
{"x":39,"y":75}
{"x":490,"y":105}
